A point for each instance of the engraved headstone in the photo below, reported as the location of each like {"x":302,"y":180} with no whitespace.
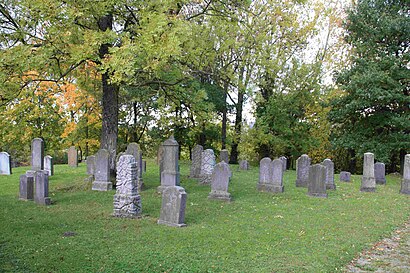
{"x":5,"y":163}
{"x":368,"y":180}
{"x":345,"y":176}
{"x":37,"y":154}
{"x":41,"y":195}
{"x":102,"y":171}
{"x":243,"y":165}
{"x":405,"y":183}
{"x":220,"y":181}
{"x":277,"y":175}
{"x":265,"y":175}
{"x":26,"y":187}
{"x":330,"y":174}
{"x":195,"y":171}
{"x":316,"y":184}
{"x":284,"y":161}
{"x":170,"y":174}
{"x":134,"y":150}
{"x":48,"y":165}
{"x":224,"y":156}
{"x":173,"y":207}
{"x":302,"y":170}
{"x":72,"y":157}
{"x":380,"y":173}
{"x":207,"y":166}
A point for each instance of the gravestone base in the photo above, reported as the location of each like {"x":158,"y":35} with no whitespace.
{"x":300,"y":183}
{"x":270,"y":188}
{"x":160,"y":189}
{"x":319,"y":195}
{"x":127,"y":206}
{"x":220,"y":195}
{"x":405,"y":186}
{"x":43,"y":201}
{"x":366,"y":189}
{"x":205,"y":179}
{"x":162,"y":222}
{"x":26,"y":188}
{"x":102,"y":186}
{"x":381,"y":182}
{"x":368,"y":181}
{"x":330,"y":186}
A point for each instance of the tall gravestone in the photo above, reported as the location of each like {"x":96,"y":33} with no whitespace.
{"x":380,"y":173}
{"x":368,"y":180}
{"x":102,"y":171}
{"x":345,"y":176}
{"x":48,"y":165}
{"x":316,"y":184}
{"x":405,"y":183}
{"x":330,"y":174}
{"x":5,"y":164}
{"x":284,"y":162}
{"x":127,"y":201}
{"x":265,"y":175}
{"x":134,"y":150}
{"x":37,"y":154}
{"x":160,"y":160}
{"x":302,"y":170}
{"x":91,"y":165}
{"x":277,"y":175}
{"x":224,"y":156}
{"x":173,"y":207}
{"x":72,"y":157}
{"x":26,"y":187}
{"x":170,"y":174}
{"x":243,"y":165}
{"x":195,"y":171}
{"x":41,"y":195}
{"x":220,"y":182}
{"x":207,"y":166}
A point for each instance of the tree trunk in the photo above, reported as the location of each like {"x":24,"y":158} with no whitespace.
{"x":134,"y":135}
{"x":202,"y":136}
{"x":224,"y":117}
{"x":352,"y":161}
{"x":238,"y":129}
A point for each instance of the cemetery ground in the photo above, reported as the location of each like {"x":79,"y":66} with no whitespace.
{"x":256,"y":232}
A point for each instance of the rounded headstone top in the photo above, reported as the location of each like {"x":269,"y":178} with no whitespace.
{"x":368,"y":153}
{"x":170,"y":142}
{"x":265,"y":159}
{"x":209,"y":151}
{"x":5,"y":153}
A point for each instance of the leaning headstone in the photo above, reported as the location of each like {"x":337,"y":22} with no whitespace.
{"x":405,"y":183}
{"x":277,"y":175}
{"x":134,"y":150}
{"x":330,"y":174}
{"x":72,"y":157}
{"x":380,"y":173}
{"x":170,"y":174}
{"x":195,"y":171}
{"x":284,"y":162}
{"x":302,"y":170}
{"x":37,"y":154}
{"x":26,"y":187}
{"x":224,"y":156}
{"x":102,"y":171}
{"x":220,"y":181}
{"x":207,"y":166}
{"x":368,"y":180}
{"x":345,"y":177}
{"x":48,"y":165}
{"x":127,"y":201}
{"x":243,"y":165}
{"x":317,"y":185}
{"x":5,"y":163}
{"x":41,"y":196}
{"x":265,"y":175}
{"x":173,"y":207}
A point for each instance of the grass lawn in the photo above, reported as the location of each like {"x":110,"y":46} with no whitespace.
{"x":256,"y":232}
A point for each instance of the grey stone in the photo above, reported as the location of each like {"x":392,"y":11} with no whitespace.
{"x":127,"y":201}
{"x":220,"y":182}
{"x":265,"y":175}
{"x":102,"y":171}
{"x":160,"y":160}
{"x":72,"y":155}
{"x":135,"y":150}
{"x":195,"y":171}
{"x":368,"y":180}
{"x":170,"y":174}
{"x":405,"y":183}
{"x":37,"y":154}
{"x":330,"y":174}
{"x":277,"y":175}
{"x":345,"y":176}
{"x":91,"y":165}
{"x":5,"y":163}
{"x":207,"y":166}
{"x":317,"y":185}
{"x":380,"y":173}
{"x":243,"y":165}
{"x":41,"y":196}
{"x":144,"y":166}
{"x":173,"y":207}
{"x":224,"y":156}
{"x":48,"y":165}
{"x":284,"y":161}
{"x":26,"y":187}
{"x":302,"y":170}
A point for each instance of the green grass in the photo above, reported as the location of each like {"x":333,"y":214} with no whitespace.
{"x":256,"y":232}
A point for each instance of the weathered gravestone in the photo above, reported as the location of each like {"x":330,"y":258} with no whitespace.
{"x":90,"y":165}
{"x":127,"y":201}
{"x":243,"y":165}
{"x":405,"y":183}
{"x":135,"y":150}
{"x":345,"y":176}
{"x":224,"y":156}
{"x":317,"y":185}
{"x":37,"y":154}
{"x":368,"y":180}
{"x":41,"y":195}
{"x":195,"y":171}
{"x":48,"y":165}
{"x":330,"y":174}
{"x":72,"y":155}
{"x":160,"y":160}
{"x":277,"y":175}
{"x":26,"y":187}
{"x":265,"y":175}
{"x":380,"y":173}
{"x":302,"y":170}
{"x":173,"y":207}
{"x":102,"y":171}
{"x":220,"y":182}
{"x":5,"y":163}
{"x":284,"y":162}
{"x":207,"y":166}
{"x":170,"y":173}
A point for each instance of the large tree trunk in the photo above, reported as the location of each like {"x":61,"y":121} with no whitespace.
{"x":238,"y":129}
{"x":352,"y":161}
{"x":224,"y":117}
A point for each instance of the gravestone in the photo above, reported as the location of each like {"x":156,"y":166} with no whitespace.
{"x":48,"y":165}
{"x":37,"y":154}
{"x":26,"y":187}
{"x":127,"y":201}
{"x":41,"y":195}
{"x":284,"y":162}
{"x":316,"y":184}
{"x":405,"y":183}
{"x":91,"y":165}
{"x":72,"y":157}
{"x":173,"y":207}
{"x":345,"y":176}
{"x":224,"y":156}
{"x":368,"y":180}
{"x":5,"y":164}
{"x":134,"y":150}
{"x":277,"y":175}
{"x":144,"y":166}
{"x":302,"y":170}
{"x":160,"y":160}
{"x":265,"y":175}
{"x":170,"y":173}
{"x":380,"y":173}
{"x":195,"y":171}
{"x":102,"y":171}
{"x":220,"y":182}
{"x":207,"y":166}
{"x":330,"y":174}
{"x":243,"y":165}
